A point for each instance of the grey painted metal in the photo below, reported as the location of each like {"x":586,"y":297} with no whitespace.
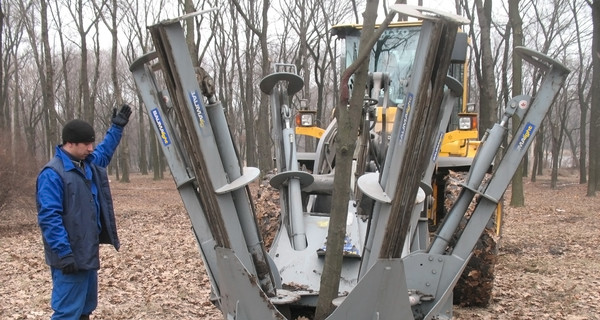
{"x":241,"y":195}
{"x":437,"y":33}
{"x":490,"y":144}
{"x":368,"y":183}
{"x":451,"y":97}
{"x":299,"y":265}
{"x":322,"y":164}
{"x":426,"y":273}
{"x":419,"y":236}
{"x":418,"y":285}
{"x":281,"y":180}
{"x":198,"y":138}
{"x":294,"y":191}
{"x":225,"y":180}
{"x":382,"y":211}
{"x":187,"y":16}
{"x":415,"y":216}
{"x":324,"y":149}
{"x":321,"y":184}
{"x":556,"y":74}
{"x":301,"y":270}
{"x":445,"y":162}
{"x":245,"y":300}
{"x":294,"y":82}
{"x":302,"y":235}
{"x":491,"y":193}
{"x":381,"y":294}
{"x":249,"y":174}
{"x":428,"y":13}
{"x":280,"y":85}
{"x":184,"y":180}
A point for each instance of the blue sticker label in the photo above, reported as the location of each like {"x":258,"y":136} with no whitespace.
{"x":405,"y":115}
{"x":438,"y":146}
{"x":198,"y":107}
{"x":525,"y":136}
{"x":164,"y":136}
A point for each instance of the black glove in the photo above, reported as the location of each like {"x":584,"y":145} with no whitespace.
{"x":68,"y":265}
{"x":122,"y":117}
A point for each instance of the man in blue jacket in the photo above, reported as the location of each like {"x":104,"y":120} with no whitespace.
{"x":75,"y":214}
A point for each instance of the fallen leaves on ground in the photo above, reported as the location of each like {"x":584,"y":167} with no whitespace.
{"x":548,"y":265}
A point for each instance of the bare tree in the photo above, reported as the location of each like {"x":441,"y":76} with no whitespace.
{"x":112,"y":23}
{"x":244,"y":62}
{"x":11,"y":34}
{"x":258,"y":26}
{"x":136,"y":15}
{"x":594,"y":153}
{"x":583,"y":88}
{"x":485,"y":63}
{"x":315,"y":53}
{"x":64,"y":97}
{"x":517,"y":197}
{"x":302,"y":13}
{"x":3,"y":111}
{"x":225,"y":64}
{"x":79,"y":11}
{"x":323,"y":53}
{"x":48,"y":86}
{"x":28,"y":14}
{"x":348,"y":115}
{"x":557,"y":130}
{"x":553,"y":36}
{"x":188,"y":7}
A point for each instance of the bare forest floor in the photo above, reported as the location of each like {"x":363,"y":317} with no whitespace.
{"x":549,"y":262}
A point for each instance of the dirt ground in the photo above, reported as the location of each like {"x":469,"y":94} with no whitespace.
{"x":549,"y":263}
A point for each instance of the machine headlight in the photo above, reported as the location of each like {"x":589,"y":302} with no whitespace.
{"x":464,"y":123}
{"x":471,"y":107}
{"x":305,"y":118}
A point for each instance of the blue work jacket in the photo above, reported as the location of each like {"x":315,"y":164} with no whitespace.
{"x":75,"y":209}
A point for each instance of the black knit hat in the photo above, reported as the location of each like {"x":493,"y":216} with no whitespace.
{"x":78,"y":131}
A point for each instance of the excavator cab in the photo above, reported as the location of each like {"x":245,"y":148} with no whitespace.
{"x":393,"y":56}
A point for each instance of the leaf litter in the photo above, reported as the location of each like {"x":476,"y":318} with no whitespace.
{"x":548,"y":264}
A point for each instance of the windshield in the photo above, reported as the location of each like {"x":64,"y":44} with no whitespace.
{"x":394,"y":53}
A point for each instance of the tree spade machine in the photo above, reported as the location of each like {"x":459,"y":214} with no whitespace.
{"x":392,"y":268}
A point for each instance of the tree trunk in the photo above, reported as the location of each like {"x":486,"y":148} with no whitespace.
{"x":517,"y":198}
{"x":188,"y":7}
{"x":557,"y":131}
{"x":582,"y":84}
{"x":3,"y":105}
{"x":86,"y":108}
{"x":143,"y":156}
{"x":69,"y":104}
{"x":123,"y":154}
{"x":594,"y":163}
{"x":488,"y":100}
{"x":263,"y":137}
{"x":247,"y":84}
{"x":48,"y":91}
{"x":348,"y":125}
{"x":154,"y":155}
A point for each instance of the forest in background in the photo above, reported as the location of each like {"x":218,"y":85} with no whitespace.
{"x":65,"y":59}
